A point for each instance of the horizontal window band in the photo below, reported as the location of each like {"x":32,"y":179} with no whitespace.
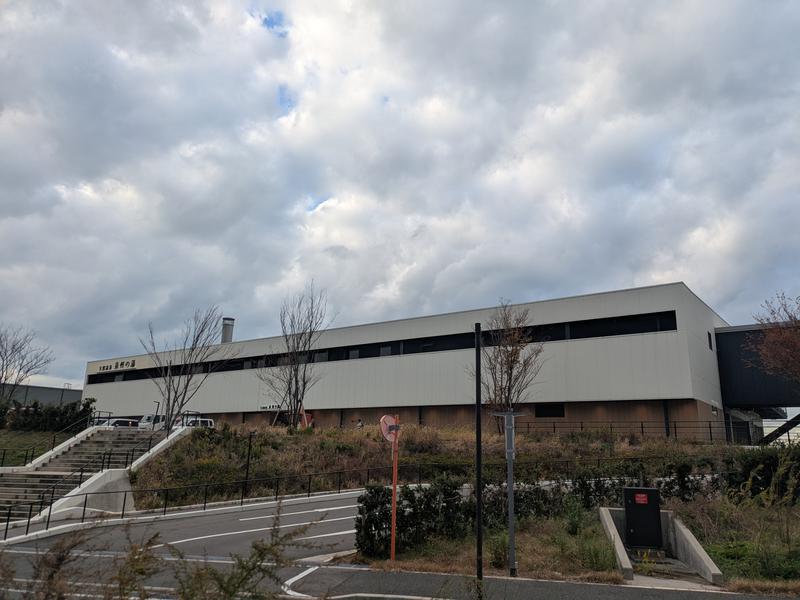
{"x":550,"y":332}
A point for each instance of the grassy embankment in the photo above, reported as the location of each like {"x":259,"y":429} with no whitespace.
{"x":756,"y":546}
{"x":16,"y":443}
{"x":220,"y":456}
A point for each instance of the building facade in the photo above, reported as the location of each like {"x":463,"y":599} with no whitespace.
{"x":643,"y":356}
{"x":26,"y":395}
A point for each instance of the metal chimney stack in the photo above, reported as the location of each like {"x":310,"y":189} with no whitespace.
{"x":227,"y":329}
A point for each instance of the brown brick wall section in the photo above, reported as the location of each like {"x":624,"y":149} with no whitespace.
{"x":692,"y":417}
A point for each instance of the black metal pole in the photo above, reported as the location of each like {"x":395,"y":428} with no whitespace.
{"x":30,"y":513}
{"x":50,"y":510}
{"x":478,"y":465}
{"x":247,"y":468}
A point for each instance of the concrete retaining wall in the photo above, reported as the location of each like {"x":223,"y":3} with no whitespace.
{"x":107,"y":491}
{"x":612,"y":531}
{"x":678,"y":541}
{"x":174,"y":436}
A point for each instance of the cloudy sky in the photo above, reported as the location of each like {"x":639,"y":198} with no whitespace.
{"x":411,"y":157}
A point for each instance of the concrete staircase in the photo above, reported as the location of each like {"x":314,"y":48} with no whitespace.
{"x":106,"y":449}
{"x":29,"y":491}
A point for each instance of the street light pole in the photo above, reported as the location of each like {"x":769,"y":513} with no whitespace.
{"x":478,"y":465}
{"x":512,"y":546}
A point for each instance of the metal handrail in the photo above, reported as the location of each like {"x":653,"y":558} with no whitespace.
{"x":69,"y":428}
{"x":25,"y":451}
{"x":369,"y":471}
{"x":105,"y":456}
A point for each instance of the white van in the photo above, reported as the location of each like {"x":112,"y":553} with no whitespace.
{"x":193,"y":420}
{"x":152,"y":422}
{"x":196,"y":422}
{"x":118,"y":422}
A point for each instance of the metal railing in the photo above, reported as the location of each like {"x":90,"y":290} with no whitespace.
{"x":9,"y":453}
{"x":81,"y":424}
{"x":709,"y":431}
{"x":103,"y":461}
{"x":200,"y":496}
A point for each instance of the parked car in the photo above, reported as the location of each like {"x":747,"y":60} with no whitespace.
{"x":153,"y":422}
{"x":193,"y":419}
{"x":195,"y":422}
{"x":119,"y":422}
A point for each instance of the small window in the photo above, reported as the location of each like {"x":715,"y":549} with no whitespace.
{"x":710,"y":343}
{"x":386,"y":350}
{"x":321,"y":356}
{"x":352,"y":354}
{"x":549,"y":410}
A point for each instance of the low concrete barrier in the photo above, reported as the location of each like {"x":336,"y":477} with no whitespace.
{"x":685,"y":547}
{"x":620,"y":553}
{"x":678,"y":541}
{"x":173,"y":438}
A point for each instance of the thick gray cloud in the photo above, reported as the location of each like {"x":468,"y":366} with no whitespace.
{"x":157,"y":156}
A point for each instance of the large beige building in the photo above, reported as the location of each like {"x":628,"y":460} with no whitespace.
{"x":644,"y":357}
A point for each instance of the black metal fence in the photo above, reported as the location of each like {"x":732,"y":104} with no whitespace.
{"x":201,"y":496}
{"x":696,"y":431}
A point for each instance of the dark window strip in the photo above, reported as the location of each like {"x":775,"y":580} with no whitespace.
{"x":573,"y":330}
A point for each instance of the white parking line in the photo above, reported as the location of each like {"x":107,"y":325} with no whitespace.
{"x":286,"y":587}
{"x":300,"y":512}
{"x":227,"y":533}
{"x":314,"y":537}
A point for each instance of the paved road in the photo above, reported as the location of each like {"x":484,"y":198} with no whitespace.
{"x":327,"y":527}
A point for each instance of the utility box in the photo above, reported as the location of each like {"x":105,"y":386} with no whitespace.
{"x":642,"y":518}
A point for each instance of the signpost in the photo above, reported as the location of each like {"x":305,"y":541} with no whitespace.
{"x":390,"y":428}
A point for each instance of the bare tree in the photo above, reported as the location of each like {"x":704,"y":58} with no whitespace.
{"x":510,"y":358}
{"x":20,"y":359}
{"x":778,"y":343}
{"x":183,"y":365}
{"x":302,"y":318}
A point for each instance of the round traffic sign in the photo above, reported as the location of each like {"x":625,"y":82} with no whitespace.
{"x":389,"y":427}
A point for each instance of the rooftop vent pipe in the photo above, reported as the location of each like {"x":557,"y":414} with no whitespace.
{"x":227,"y":329}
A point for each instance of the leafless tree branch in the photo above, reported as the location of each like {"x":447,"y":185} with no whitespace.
{"x":777,"y":345}
{"x":183,"y":365}
{"x":303,"y":318}
{"x":510,"y":359}
{"x":20,"y":359}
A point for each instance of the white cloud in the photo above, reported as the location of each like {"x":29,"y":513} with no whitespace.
{"x":411,"y":160}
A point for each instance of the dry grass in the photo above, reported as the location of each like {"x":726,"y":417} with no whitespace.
{"x":220,"y":456}
{"x":760,"y":586}
{"x":544,"y":551}
{"x":16,"y":442}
